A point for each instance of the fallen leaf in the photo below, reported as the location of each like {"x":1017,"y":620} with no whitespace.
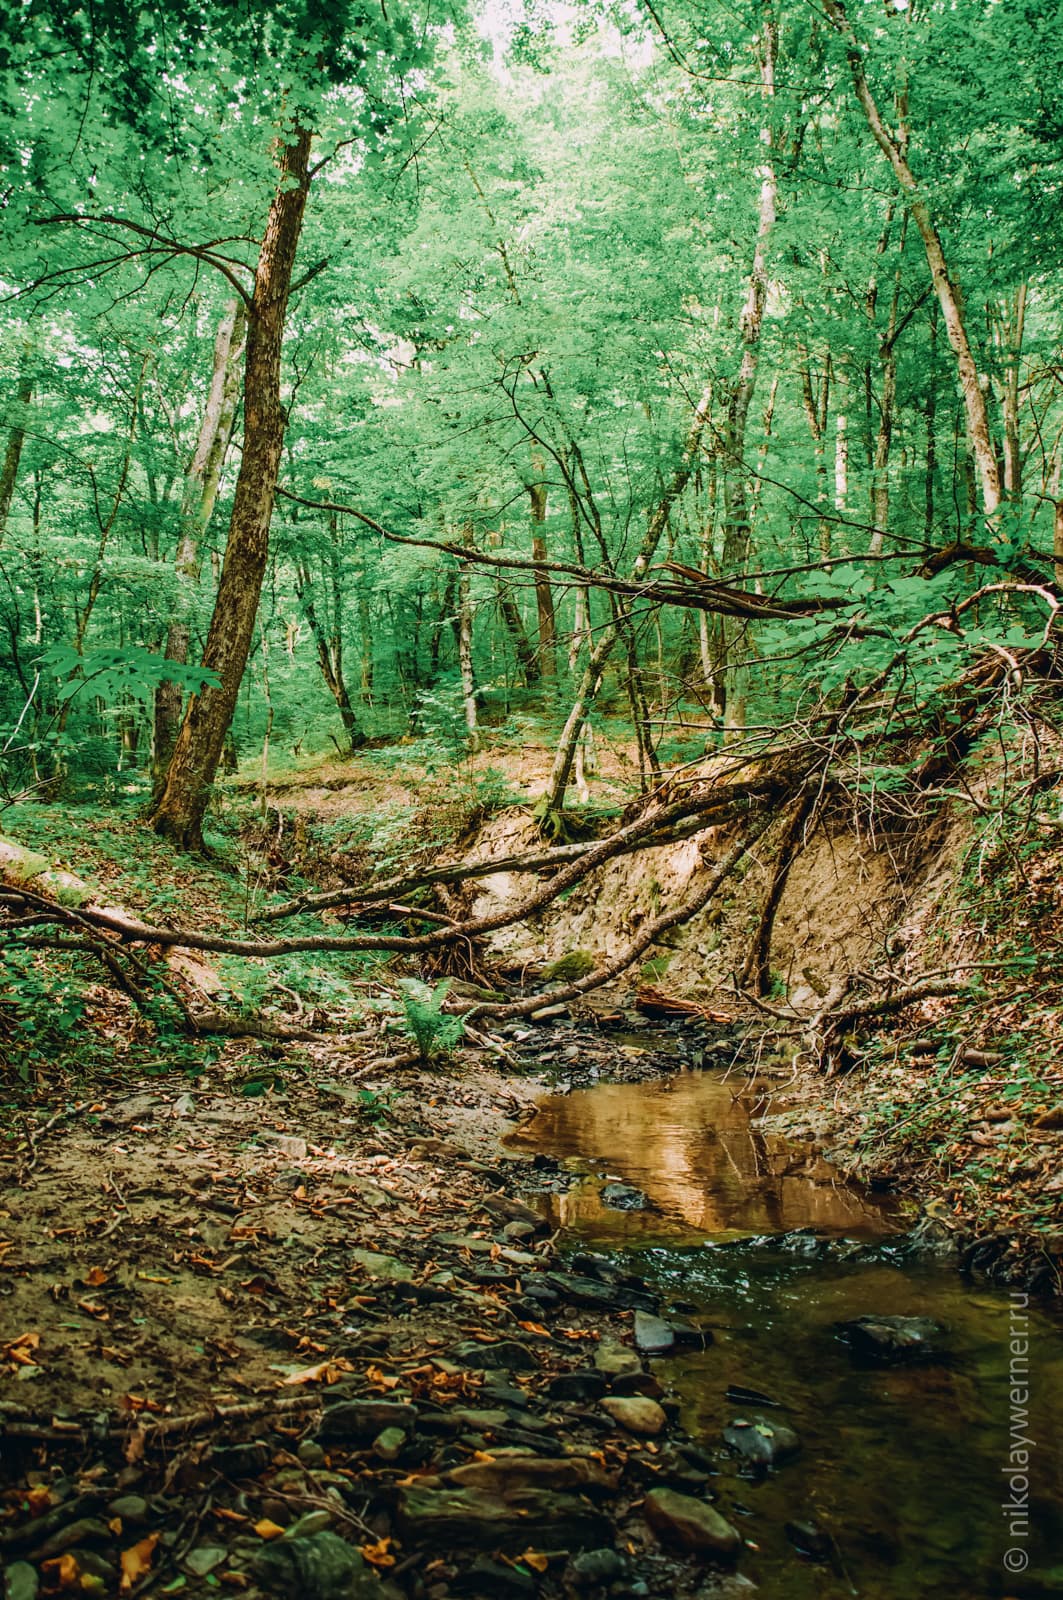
{"x":324,"y":1372}
{"x":536,"y":1560}
{"x":379,"y":1554}
{"x":63,"y":1572}
{"x":267,"y":1529}
{"x":95,"y":1277}
{"x":136,"y":1561}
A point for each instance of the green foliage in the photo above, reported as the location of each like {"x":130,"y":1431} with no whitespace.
{"x":42,"y":1012}
{"x":432,"y":1030}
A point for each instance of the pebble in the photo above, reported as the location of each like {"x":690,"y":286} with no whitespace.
{"x":132,"y":1508}
{"x":21,"y":1581}
{"x":593,"y":1567}
{"x":388,"y":1444}
{"x":689,"y":1524}
{"x":761,"y":1443}
{"x":653,"y":1335}
{"x":616,"y":1360}
{"x":363,"y":1419}
{"x":205,"y":1558}
{"x":507,"y":1355}
{"x":636,"y":1413}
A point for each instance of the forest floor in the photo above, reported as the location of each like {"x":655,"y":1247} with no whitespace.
{"x":257,"y":1294}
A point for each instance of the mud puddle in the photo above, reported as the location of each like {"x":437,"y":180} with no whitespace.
{"x":912,"y":1478}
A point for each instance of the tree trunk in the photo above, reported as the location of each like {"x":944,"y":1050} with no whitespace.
{"x":528,"y":658}
{"x":816,"y":402}
{"x":464,"y":633}
{"x":561,"y":772}
{"x":16,"y":438}
{"x":180,"y":810}
{"x":197,"y":505}
{"x":894,"y":148}
{"x":737,"y":527}
{"x":544,"y":599}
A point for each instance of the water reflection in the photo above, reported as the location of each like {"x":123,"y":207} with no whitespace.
{"x":691,"y":1145}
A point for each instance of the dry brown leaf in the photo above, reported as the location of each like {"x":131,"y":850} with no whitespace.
{"x":136,"y":1561}
{"x":63,"y":1572}
{"x":534,"y":1327}
{"x":267,"y":1529}
{"x":536,"y":1560}
{"x":381,"y":1379}
{"x":324,"y":1372}
{"x":379,"y":1554}
{"x":95,"y":1277}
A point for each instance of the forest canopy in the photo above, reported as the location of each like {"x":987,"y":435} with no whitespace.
{"x":401,"y":372}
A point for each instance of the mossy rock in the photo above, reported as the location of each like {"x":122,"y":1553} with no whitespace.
{"x":577,"y":964}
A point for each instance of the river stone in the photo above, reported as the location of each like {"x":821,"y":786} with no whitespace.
{"x":592,"y":1568}
{"x":893,"y":1341}
{"x":589,"y":1292}
{"x":364,"y":1419}
{"x":652,"y":1334}
{"x":506,"y":1354}
{"x":132,"y":1508}
{"x":380,"y":1265}
{"x":689,"y":1524}
{"x":559,"y":1474}
{"x":583,"y":1384}
{"x":761,"y":1443}
{"x":321,"y":1567}
{"x":467,"y":1518}
{"x":21,"y":1581}
{"x":205,"y":1558}
{"x":622,"y":1197}
{"x":86,"y":1530}
{"x":615,"y":1360}
{"x":811,"y":1540}
{"x":388,"y":1444}
{"x":242,"y":1460}
{"x":637,"y":1383}
{"x":637,"y":1413}
{"x":496,"y":1580}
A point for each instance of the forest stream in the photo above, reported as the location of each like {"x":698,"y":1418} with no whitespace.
{"x":896,"y":1490}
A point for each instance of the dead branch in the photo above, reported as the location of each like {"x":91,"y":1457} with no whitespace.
{"x":648,"y":934}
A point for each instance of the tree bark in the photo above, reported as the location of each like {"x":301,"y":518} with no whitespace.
{"x":947,"y":289}
{"x":544,"y":598}
{"x":464,"y":638}
{"x":179,"y":812}
{"x":561,"y":772}
{"x":16,"y":438}
{"x":202,"y":481}
{"x":528,"y":658}
{"x":737,"y":521}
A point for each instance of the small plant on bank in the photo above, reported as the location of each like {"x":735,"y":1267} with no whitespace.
{"x":433,"y":1031}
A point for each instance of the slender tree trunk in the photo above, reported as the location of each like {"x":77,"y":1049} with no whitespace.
{"x":16,"y":438}
{"x":590,"y":682}
{"x":947,"y":289}
{"x":464,"y":633}
{"x":544,"y":598}
{"x":202,"y":481}
{"x":180,"y":810}
{"x":931,"y":430}
{"x":1014,"y":334}
{"x":528,"y":659}
{"x":816,"y":402}
{"x":737,"y":523}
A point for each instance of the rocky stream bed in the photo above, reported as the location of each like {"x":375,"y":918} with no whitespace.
{"x":336,"y":1341}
